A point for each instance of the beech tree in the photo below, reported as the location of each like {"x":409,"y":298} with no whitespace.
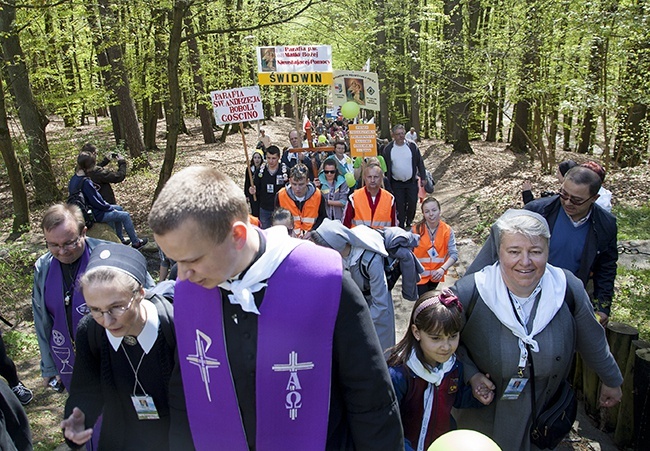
{"x":16,"y":182}
{"x":32,"y":119}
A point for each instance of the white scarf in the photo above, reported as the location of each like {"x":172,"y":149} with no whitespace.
{"x":493,"y":291}
{"x":434,"y":377}
{"x":278,"y":245}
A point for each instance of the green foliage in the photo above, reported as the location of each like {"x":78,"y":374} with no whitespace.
{"x":633,"y":222}
{"x":16,"y":282}
{"x":632,"y":299}
{"x":20,"y":345}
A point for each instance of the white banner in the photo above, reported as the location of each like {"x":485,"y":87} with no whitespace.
{"x":294,"y":58}
{"x":356,"y":86}
{"x":237,"y":105}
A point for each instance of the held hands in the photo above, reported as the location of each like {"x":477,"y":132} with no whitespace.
{"x":73,"y":427}
{"x":610,"y":396}
{"x":437,"y":275}
{"x":482,"y":388}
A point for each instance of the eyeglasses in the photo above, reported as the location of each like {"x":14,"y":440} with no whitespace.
{"x":68,"y":246}
{"x":113,"y":312}
{"x":329,"y":172}
{"x":577,"y":202}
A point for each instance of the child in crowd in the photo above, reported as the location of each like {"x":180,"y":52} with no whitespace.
{"x":427,"y":378}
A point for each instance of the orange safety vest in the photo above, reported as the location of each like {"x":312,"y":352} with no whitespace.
{"x":303,"y":220}
{"x":363,"y":212}
{"x":440,"y":244}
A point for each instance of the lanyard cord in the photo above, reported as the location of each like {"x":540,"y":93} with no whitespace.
{"x":135,"y":370}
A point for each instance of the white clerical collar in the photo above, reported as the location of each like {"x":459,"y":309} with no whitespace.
{"x":149,"y":333}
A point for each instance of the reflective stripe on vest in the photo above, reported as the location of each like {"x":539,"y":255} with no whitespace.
{"x":303,"y":220}
{"x":363,"y":213}
{"x":441,"y":244}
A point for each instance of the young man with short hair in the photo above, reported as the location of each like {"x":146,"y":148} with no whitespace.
{"x":260,"y":365}
{"x":271,"y":177}
{"x":303,"y":200}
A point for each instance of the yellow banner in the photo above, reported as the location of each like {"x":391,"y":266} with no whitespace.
{"x":295,"y":78}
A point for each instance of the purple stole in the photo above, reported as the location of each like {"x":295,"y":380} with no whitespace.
{"x":294,"y":357}
{"x":61,"y":343}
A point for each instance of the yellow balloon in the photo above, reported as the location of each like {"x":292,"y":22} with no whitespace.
{"x":464,"y":440}
{"x":349,"y":179}
{"x":349,"y":110}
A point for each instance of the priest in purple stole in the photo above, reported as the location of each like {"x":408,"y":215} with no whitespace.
{"x":276,"y":346}
{"x":57,"y":302}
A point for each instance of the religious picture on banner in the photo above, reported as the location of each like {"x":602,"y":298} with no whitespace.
{"x":356,"y":86}
{"x":268,"y":59}
{"x":355,"y":90}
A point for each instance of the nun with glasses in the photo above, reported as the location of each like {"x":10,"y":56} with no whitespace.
{"x":126,"y":352}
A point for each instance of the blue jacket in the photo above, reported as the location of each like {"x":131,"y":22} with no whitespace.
{"x":93,"y":198}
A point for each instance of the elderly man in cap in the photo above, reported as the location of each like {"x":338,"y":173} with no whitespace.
{"x":57,"y":303}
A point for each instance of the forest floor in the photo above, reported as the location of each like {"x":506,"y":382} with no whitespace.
{"x":473,"y":190}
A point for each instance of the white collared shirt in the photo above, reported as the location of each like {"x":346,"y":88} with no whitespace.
{"x":149,"y":333}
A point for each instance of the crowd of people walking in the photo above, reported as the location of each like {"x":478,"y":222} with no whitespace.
{"x":230,"y":356}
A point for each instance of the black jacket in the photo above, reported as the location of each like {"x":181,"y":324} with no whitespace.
{"x":417,"y":162}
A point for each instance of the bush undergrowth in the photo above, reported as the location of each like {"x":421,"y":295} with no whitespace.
{"x":632,"y":295}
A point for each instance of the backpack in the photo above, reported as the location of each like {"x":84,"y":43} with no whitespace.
{"x":391,"y":269}
{"x":78,"y":198}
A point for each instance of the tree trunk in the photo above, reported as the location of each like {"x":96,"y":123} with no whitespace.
{"x":491,"y":135}
{"x":415,"y":51}
{"x":174,"y":113}
{"x":457,"y":74}
{"x":567,"y":123}
{"x":380,"y":38}
{"x":120,"y":86}
{"x":16,"y":181}
{"x":32,"y":119}
{"x":203,"y":98}
{"x":519,"y":143}
{"x":586,"y":132}
{"x":529,"y":75}
{"x":632,"y":142}
{"x":594,"y":78}
{"x":151,"y":103}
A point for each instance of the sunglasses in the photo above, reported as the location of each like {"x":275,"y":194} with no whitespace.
{"x":329,"y":172}
{"x":577,"y":202}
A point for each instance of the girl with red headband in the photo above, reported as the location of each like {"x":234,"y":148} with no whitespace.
{"x":427,"y":378}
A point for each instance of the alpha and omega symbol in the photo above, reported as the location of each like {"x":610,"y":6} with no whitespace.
{"x":293,"y":400}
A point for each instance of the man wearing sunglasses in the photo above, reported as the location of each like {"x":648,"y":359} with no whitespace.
{"x":57,"y":303}
{"x":583,"y":236}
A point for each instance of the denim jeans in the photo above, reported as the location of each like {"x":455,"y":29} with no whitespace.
{"x":120,"y":218}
